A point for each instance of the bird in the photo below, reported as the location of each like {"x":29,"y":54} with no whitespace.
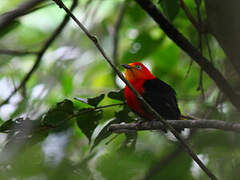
{"x":160,"y":95}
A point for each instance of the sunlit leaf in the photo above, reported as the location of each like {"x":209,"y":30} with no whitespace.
{"x":104,"y":132}
{"x":91,"y":101}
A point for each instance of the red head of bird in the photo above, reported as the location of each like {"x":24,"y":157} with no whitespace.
{"x":137,"y":71}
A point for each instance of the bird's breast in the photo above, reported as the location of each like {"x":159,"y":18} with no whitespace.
{"x":133,"y":102}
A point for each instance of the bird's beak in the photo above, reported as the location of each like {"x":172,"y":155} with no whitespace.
{"x":126,"y":66}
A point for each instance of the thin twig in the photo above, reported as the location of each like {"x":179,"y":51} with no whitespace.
{"x":96,"y":108}
{"x":16,"y":52}
{"x":116,"y":30}
{"x":185,"y":45}
{"x":195,"y":24}
{"x":200,"y":27}
{"x":200,"y":85}
{"x":115,"y":35}
{"x":208,"y":48}
{"x":189,"y":15}
{"x":41,"y":53}
{"x":179,"y":124}
{"x":189,"y":69}
{"x":140,"y":98}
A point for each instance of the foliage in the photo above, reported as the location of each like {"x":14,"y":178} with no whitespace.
{"x":46,"y":133}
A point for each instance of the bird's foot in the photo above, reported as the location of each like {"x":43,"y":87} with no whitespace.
{"x":153,"y":121}
{"x":139,"y":122}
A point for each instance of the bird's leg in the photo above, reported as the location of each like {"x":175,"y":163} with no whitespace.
{"x":139,"y":121}
{"x":153,"y":121}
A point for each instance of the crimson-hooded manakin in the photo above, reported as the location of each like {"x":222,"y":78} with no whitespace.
{"x":157,"y":93}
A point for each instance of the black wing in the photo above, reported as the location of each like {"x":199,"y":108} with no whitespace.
{"x":162,"y":98}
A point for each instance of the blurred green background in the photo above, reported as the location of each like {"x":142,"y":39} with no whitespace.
{"x":73,"y":67}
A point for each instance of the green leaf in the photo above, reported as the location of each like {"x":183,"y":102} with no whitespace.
{"x":87,"y":120}
{"x":170,"y":8}
{"x":59,"y":116}
{"x":91,"y":101}
{"x":117,"y":95}
{"x":104,"y":133}
{"x":7,"y":29}
{"x":55,"y":118}
{"x":120,"y":116}
{"x":65,"y":106}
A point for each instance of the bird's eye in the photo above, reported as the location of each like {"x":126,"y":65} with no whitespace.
{"x":138,"y":67}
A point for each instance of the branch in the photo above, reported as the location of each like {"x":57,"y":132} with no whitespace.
{"x":41,"y":53}
{"x":140,"y":98}
{"x":8,"y":17}
{"x":16,"y":52}
{"x":179,"y":124}
{"x":183,"y":43}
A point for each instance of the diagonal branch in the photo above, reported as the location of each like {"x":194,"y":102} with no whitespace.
{"x":178,"y":124}
{"x":8,"y":17}
{"x":140,"y":98}
{"x":185,"y":45}
{"x":41,"y":53}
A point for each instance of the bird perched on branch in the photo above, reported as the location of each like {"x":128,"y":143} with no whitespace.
{"x":157,"y":93}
